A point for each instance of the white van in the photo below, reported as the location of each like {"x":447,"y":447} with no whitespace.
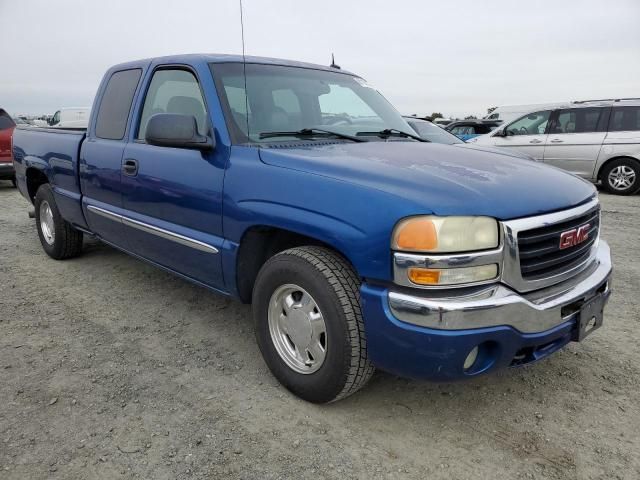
{"x":71,"y":117}
{"x":506,"y":113}
{"x":597,"y":140}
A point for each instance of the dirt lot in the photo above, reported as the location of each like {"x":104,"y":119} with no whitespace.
{"x":110,"y":368}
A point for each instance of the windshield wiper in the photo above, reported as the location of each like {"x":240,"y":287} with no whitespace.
{"x":311,"y":132}
{"x":392,"y":132}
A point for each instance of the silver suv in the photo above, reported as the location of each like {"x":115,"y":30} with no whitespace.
{"x":596,"y":139}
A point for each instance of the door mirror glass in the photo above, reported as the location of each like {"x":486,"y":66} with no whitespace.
{"x":176,"y":130}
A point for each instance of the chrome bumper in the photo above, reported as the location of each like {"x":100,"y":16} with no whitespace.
{"x":495,"y":305}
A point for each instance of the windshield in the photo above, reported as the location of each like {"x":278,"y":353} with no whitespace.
{"x":433,"y":133}
{"x":282,"y":99}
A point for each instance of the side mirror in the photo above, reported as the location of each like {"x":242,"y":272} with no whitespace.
{"x":176,"y":130}
{"x":502,"y":132}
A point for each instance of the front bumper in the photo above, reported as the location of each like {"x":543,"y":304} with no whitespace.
{"x":6,"y":171}
{"x":429,"y":334}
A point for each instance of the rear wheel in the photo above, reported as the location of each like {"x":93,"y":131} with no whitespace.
{"x":309,"y":324}
{"x":58,"y":238}
{"x":622,"y":176}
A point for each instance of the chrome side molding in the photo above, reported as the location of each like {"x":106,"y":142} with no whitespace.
{"x":153,"y":230}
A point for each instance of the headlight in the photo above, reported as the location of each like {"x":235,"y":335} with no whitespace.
{"x":445,"y":234}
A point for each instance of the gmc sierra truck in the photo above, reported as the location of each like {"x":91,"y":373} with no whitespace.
{"x":300,"y":189}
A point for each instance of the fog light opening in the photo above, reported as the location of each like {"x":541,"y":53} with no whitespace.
{"x":471,"y":359}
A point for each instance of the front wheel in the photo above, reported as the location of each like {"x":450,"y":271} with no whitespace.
{"x":622,"y":176}
{"x":309,"y":324}
{"x":58,"y":238}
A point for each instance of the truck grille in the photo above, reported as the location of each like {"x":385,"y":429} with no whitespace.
{"x":539,"y":248}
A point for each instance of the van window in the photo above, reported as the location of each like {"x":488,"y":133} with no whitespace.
{"x":116,"y":102}
{"x":578,"y":120}
{"x":531,"y":124}
{"x":624,"y":119}
{"x":173,"y":91}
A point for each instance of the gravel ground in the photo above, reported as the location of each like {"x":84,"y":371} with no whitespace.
{"x":110,"y":368}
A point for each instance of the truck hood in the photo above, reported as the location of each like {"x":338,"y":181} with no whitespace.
{"x":441,"y":179}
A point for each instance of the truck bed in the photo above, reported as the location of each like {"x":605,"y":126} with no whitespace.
{"x":54,"y":152}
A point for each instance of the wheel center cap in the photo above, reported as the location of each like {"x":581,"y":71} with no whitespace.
{"x":299,"y":328}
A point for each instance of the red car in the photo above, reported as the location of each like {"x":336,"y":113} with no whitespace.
{"x":6,"y":159}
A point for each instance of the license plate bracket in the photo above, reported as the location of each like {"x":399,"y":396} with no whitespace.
{"x":590,"y":317}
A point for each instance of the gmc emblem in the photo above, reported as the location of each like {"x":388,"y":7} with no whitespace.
{"x":574,"y":237}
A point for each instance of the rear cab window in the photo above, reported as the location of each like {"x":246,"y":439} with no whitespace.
{"x":115,"y":105}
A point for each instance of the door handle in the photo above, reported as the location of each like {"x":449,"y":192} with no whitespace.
{"x":130,"y":167}
{"x":535,"y":140}
{"x":556,"y":140}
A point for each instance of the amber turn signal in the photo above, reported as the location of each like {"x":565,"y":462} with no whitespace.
{"x":424,"y":276}
{"x":417,"y":235}
{"x":452,"y":276}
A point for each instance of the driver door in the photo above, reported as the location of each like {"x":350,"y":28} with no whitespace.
{"x":172,"y":197}
{"x":527,"y":134}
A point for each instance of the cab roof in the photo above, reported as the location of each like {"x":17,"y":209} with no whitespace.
{"x":200,"y":58}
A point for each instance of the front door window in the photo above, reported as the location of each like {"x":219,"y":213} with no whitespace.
{"x":531,"y":124}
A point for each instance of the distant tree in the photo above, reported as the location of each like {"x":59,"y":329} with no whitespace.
{"x":490,"y":109}
{"x":471,"y":117}
{"x":435,"y":115}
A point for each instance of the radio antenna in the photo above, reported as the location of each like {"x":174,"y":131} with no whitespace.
{"x":244,"y":71}
{"x":333,"y":63}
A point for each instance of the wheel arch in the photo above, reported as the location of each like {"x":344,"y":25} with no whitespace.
{"x":604,"y":165}
{"x":261,"y":242}
{"x":35,"y":178}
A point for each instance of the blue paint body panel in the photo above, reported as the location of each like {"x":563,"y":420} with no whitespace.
{"x":346,"y":195}
{"x":439,"y":355}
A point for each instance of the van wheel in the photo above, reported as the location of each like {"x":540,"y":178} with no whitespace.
{"x":58,"y":238}
{"x":622,"y":176}
{"x":309,"y":327}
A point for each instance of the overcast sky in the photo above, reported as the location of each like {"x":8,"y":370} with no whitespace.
{"x":456,"y":57}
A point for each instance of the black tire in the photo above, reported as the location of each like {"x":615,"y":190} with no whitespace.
{"x":67,"y":242}
{"x":335,"y":287}
{"x":13,"y":181}
{"x":628,"y":163}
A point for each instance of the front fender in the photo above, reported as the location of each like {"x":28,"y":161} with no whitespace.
{"x":355,"y":220}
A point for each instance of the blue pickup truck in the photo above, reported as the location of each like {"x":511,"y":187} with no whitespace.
{"x":300,"y":189}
